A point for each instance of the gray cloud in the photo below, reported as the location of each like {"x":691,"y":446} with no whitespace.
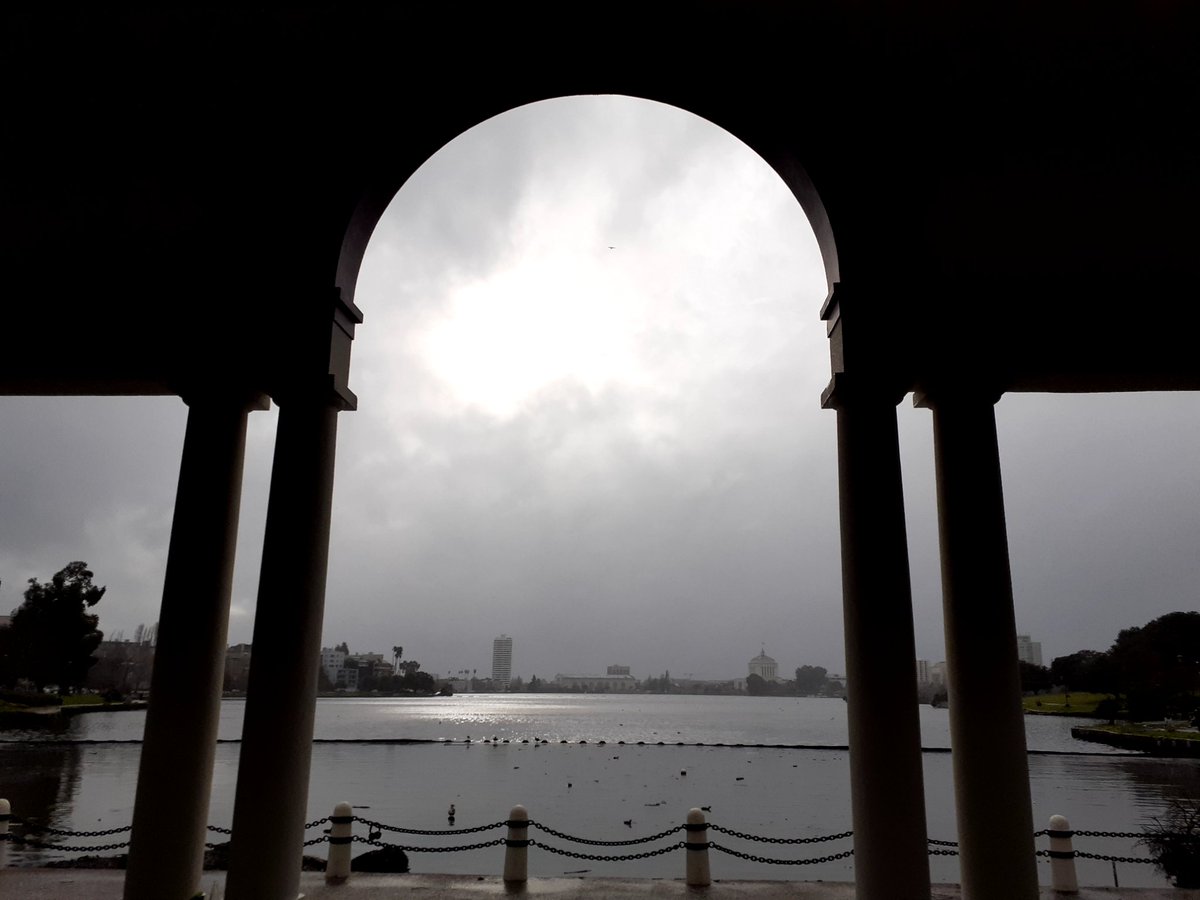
{"x":671,"y":511}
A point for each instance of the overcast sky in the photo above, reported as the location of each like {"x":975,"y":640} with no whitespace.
{"x":589,"y":383}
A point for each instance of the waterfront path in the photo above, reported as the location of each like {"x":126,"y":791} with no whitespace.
{"x":53,"y":884}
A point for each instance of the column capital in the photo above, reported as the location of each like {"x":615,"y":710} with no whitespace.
{"x":847,"y":391}
{"x":966,"y":392}
{"x":215,"y":393}
{"x":313,"y":364}
{"x":319,"y":390}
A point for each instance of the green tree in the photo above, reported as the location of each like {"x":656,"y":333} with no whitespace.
{"x":1033,"y":678}
{"x":811,"y":680}
{"x":1158,"y":666}
{"x":1086,"y":670}
{"x":53,"y":635}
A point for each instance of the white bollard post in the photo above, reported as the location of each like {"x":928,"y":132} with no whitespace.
{"x":698,"y":874}
{"x":5,"y":817}
{"x":516,"y":848}
{"x":1062,"y":856}
{"x":341,"y":841}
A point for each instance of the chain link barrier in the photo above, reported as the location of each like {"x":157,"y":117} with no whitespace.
{"x":21,"y":840}
{"x":594,"y":843}
{"x":1109,"y":834}
{"x":816,"y":860}
{"x":62,"y":832}
{"x":380,"y":826}
{"x":600,"y":857}
{"x":359,"y":839}
{"x":770,"y":840}
{"x":936,"y":847}
{"x":1121,"y":859}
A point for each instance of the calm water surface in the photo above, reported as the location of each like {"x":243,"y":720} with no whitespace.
{"x":591,"y":789}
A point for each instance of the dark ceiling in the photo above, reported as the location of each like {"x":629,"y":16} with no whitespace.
{"x":1004,"y":197}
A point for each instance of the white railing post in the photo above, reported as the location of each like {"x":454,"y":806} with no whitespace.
{"x":341,"y":842}
{"x":516,"y":848}
{"x":5,"y":816}
{"x":698,"y":874}
{"x":1062,"y":856}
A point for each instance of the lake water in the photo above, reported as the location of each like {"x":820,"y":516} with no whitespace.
{"x":591,"y":789}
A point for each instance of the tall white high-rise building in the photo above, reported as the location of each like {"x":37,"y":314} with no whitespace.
{"x":502,"y":660}
{"x":922,"y":672}
{"x":1029,"y":651}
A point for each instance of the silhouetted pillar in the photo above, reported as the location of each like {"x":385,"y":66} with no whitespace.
{"x":272,"y":787}
{"x":170,"y":811}
{"x":987,"y":724}
{"x":887,"y":786}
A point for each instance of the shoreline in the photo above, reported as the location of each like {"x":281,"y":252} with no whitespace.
{"x":1147,"y":743}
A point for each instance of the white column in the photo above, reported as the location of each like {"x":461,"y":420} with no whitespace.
{"x":886,"y":780}
{"x":170,"y":811}
{"x":987,"y":723}
{"x":272,"y":789}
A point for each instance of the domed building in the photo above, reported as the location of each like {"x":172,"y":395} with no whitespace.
{"x":763,"y":666}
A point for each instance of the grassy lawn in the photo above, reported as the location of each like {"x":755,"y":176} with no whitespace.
{"x":82,"y":699}
{"x":1075,"y":702}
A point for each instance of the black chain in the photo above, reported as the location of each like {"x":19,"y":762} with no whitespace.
{"x":219,"y":830}
{"x":68,"y":848}
{"x":62,"y":832}
{"x":1108,"y":834}
{"x":362,"y":840}
{"x":941,"y":843}
{"x":771,"y":840}
{"x":952,"y":851}
{"x":317,"y":840}
{"x":597,"y":857}
{"x":398,"y":830}
{"x":1107,"y":858}
{"x":816,"y":860}
{"x":589,"y":841}
{"x":313,"y":824}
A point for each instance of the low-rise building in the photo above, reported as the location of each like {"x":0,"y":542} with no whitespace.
{"x":597,"y":683}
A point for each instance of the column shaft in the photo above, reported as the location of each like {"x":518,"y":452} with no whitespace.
{"x":987,"y":727}
{"x":272,"y":788}
{"x":175,"y":775}
{"x":887,"y":786}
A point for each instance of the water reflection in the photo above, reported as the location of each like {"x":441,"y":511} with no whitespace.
{"x":41,"y":782}
{"x":780,"y":792}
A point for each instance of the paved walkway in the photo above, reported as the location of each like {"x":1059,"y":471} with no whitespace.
{"x":54,"y":884}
